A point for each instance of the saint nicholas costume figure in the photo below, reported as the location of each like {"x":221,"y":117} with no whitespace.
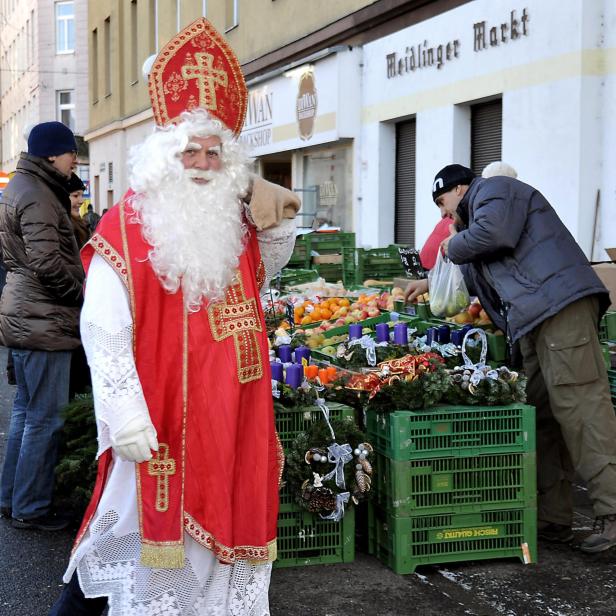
{"x":183,"y":516}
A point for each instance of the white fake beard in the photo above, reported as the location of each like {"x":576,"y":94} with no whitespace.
{"x":196,"y":233}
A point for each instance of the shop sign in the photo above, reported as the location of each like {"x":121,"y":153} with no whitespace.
{"x":306,"y":105}
{"x":509,"y":30}
{"x":421,"y":56}
{"x":424,"y":55}
{"x":257,"y":131}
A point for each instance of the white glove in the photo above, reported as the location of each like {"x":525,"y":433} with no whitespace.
{"x":135,"y":440}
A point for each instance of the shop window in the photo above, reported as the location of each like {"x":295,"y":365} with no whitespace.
{"x":406,"y":145}
{"x":486,"y":134}
{"x":327,"y":191}
{"x":65,"y":27}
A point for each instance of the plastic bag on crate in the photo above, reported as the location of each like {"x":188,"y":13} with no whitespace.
{"x":448,"y":292}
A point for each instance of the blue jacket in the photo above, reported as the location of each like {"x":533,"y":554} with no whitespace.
{"x":521,"y":260}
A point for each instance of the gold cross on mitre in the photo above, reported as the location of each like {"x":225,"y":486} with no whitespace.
{"x":239,"y":317}
{"x":207,"y":79}
{"x":162,"y":466}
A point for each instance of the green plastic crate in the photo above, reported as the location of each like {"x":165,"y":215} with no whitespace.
{"x":290,"y":277}
{"x":404,"y":543}
{"x":306,"y":539}
{"x":291,"y":421}
{"x":379,"y":264}
{"x":607,"y":327}
{"x":469,"y":484}
{"x":419,"y":309}
{"x":445,"y":431}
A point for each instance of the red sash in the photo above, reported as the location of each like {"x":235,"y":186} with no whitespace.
{"x":206,"y":380}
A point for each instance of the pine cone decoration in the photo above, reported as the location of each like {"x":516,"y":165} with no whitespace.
{"x":363,"y":481}
{"x":321,"y":499}
{"x":366,"y":466}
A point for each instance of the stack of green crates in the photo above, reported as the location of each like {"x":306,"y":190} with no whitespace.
{"x":340,"y":245}
{"x":305,"y":538}
{"x":379,"y":264}
{"x":453,"y":484}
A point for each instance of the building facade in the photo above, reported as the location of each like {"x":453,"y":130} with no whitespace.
{"x":43,"y":72}
{"x":356,"y":105}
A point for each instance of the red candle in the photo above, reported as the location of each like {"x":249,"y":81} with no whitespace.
{"x":323,"y":376}
{"x":332,"y":373}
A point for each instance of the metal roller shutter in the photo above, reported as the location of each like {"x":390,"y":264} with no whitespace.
{"x":486,"y":134}
{"x":405,"y":183}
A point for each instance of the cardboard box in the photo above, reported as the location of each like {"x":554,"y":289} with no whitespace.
{"x":607,"y":273}
{"x":328,"y":259}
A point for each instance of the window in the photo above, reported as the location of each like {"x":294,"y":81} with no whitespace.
{"x":486,"y":134}
{"x":406,"y":147}
{"x":94,"y":81}
{"x":134,"y":50}
{"x":153,"y":26}
{"x":231,"y":14}
{"x":107,"y":55}
{"x":66,"y":108}
{"x":65,"y":27}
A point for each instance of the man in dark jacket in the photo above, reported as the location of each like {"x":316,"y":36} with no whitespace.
{"x":39,"y":316}
{"x":536,"y":285}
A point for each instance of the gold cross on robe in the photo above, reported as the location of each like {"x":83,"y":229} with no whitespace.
{"x":207,"y":79}
{"x":239,"y":317}
{"x":162,"y":466}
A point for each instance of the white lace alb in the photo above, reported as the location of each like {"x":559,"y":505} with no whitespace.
{"x":276,"y":246}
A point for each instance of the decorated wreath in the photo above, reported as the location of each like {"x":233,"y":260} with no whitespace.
{"x":485,"y":385}
{"x":329,"y":468}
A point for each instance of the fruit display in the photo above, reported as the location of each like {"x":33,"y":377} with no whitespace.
{"x":338,"y":310}
{"x":473,"y":314}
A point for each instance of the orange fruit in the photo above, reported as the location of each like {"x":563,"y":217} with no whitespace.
{"x":326,"y":314}
{"x":344,"y":302}
{"x":306,"y":320}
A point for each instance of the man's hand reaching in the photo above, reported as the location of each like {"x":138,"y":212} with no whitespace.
{"x":414,"y":289}
{"x":135,"y":441}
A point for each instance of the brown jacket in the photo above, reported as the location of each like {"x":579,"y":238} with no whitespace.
{"x":40,"y":304}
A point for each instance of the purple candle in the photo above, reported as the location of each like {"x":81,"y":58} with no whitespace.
{"x":457,"y":335}
{"x":277,"y":371}
{"x":431,"y":335}
{"x":354,"y":331}
{"x":294,"y":375}
{"x":302,"y":352}
{"x":284,"y":352}
{"x":401,"y":333}
{"x":444,"y":334}
{"x":382,"y":332}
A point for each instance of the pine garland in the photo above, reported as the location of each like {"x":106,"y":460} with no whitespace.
{"x":77,"y":466}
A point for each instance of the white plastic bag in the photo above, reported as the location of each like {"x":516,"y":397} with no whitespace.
{"x":448,"y":292}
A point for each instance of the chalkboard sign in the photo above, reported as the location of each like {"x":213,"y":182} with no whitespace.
{"x":411,"y":263}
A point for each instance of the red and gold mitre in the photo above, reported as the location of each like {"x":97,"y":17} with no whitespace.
{"x":198,"y":69}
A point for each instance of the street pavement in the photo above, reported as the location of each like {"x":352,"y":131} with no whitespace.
{"x":565,"y":582}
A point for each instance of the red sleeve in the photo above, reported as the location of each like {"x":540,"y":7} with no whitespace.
{"x":428,"y":253}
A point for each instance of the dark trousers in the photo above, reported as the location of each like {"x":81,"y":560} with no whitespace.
{"x":73,"y":603}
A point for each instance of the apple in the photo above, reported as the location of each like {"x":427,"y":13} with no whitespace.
{"x":474,"y":310}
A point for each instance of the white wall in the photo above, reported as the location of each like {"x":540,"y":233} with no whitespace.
{"x":558,"y":89}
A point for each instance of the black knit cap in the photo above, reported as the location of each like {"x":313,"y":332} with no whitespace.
{"x":75,"y":183}
{"x":449,"y":177}
{"x":51,"y":139}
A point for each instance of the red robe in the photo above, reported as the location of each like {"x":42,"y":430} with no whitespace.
{"x":207,"y":384}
